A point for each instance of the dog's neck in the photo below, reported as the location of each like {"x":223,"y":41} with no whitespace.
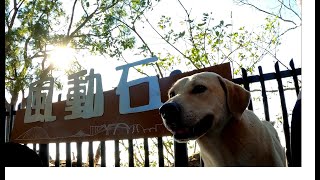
{"x":226,"y":139}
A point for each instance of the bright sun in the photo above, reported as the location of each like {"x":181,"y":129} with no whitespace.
{"x":62,"y":57}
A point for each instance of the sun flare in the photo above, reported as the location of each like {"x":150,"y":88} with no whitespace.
{"x":62,"y":57}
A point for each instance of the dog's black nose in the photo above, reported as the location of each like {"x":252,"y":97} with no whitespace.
{"x":170,"y":112}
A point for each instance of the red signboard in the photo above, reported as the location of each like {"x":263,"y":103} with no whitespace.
{"x":111,"y":125}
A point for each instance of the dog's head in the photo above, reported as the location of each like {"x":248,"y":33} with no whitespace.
{"x":202,"y":102}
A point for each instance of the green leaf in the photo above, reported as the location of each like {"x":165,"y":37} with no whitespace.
{"x":201,"y":24}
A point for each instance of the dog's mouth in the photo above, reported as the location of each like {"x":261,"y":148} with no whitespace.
{"x":183,"y":134}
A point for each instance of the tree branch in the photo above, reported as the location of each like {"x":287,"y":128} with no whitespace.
{"x":292,"y":28}
{"x":10,"y":78}
{"x":88,"y":18}
{"x":143,"y":41}
{"x":171,"y":44}
{"x":266,"y":50}
{"x":168,"y":150}
{"x":134,"y":67}
{"x":227,"y":56}
{"x":286,"y":20}
{"x":190,"y":30}
{"x":74,"y":5}
{"x":83,"y":8}
{"x":155,"y":143}
{"x":140,"y":154}
{"x":289,"y":8}
{"x":16,"y":8}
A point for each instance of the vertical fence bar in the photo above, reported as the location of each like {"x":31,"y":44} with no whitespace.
{"x":294,"y":76}
{"x":116,"y":153}
{"x":3,"y":119}
{"x":146,"y":152}
{"x":160,"y":152}
{"x":284,"y":114}
{"x":57,"y":161}
{"x":90,"y":154}
{"x":180,"y":154}
{"x":34,"y":147}
{"x":130,"y":151}
{"x":68,"y":155}
{"x":44,"y":154}
{"x":103,"y":153}
{"x":12,"y":113}
{"x":246,"y":85}
{"x":264,"y":95}
{"x":79,"y":154}
{"x":7,"y":125}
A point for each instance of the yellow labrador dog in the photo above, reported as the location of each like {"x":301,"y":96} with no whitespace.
{"x":212,"y":110}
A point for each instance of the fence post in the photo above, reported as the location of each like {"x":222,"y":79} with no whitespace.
{"x":34,"y":147}
{"x":3,"y":119}
{"x":11,"y":121}
{"x":180,"y":154}
{"x":264,"y":94}
{"x":130,"y":151}
{"x":146,"y":152}
{"x":116,"y":153}
{"x":103,"y":153}
{"x":44,"y":154}
{"x":68,"y":155}
{"x":90,"y":154}
{"x":284,"y":114}
{"x":160,"y":152}
{"x":79,"y":154}
{"x":246,"y":85}
{"x":294,"y":75}
{"x":57,"y":161}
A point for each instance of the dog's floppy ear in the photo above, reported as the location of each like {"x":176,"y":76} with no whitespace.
{"x":237,"y":97}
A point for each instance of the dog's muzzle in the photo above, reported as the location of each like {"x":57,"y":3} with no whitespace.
{"x":171,"y":115}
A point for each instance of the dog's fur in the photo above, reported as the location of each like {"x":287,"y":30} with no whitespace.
{"x":212,"y":110}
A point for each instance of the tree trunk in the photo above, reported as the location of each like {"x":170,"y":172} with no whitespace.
{"x":14,"y":99}
{"x":7,"y":105}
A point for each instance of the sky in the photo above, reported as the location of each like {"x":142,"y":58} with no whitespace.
{"x":241,"y":16}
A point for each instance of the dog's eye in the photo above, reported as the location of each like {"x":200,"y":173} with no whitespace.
{"x":198,"y":89}
{"x":172,"y":94}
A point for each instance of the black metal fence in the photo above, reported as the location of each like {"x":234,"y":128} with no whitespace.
{"x":180,"y":149}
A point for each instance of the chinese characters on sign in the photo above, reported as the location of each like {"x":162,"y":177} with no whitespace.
{"x":123,"y":89}
{"x":40,"y":97}
{"x":83,"y":102}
